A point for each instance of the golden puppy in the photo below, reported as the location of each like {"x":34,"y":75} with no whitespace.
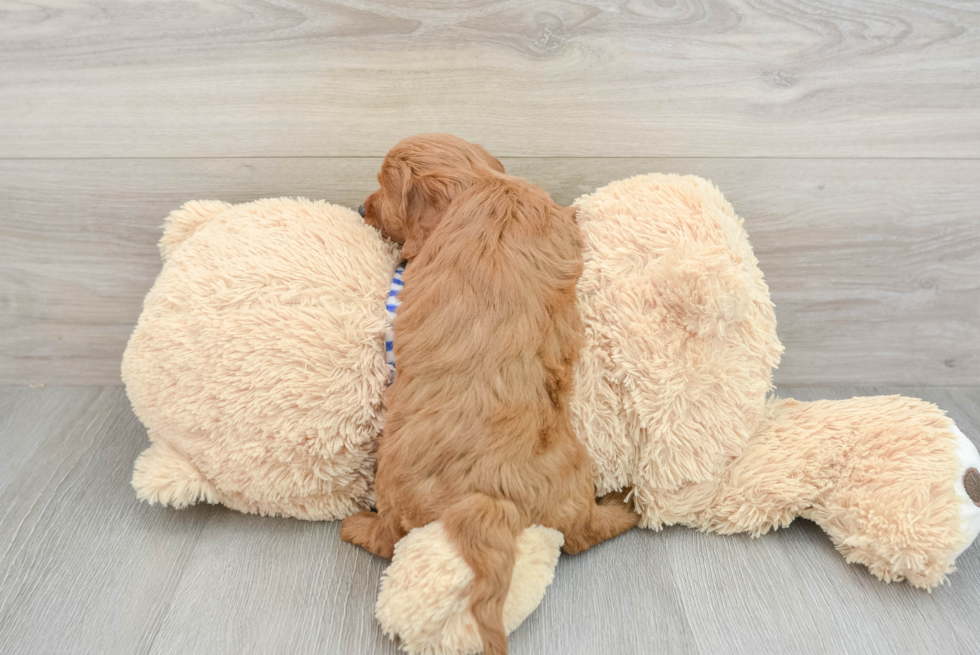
{"x":477,"y":433}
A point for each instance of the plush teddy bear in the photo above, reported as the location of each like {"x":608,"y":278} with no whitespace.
{"x":258,"y":368}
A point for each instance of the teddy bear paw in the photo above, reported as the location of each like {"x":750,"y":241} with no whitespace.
{"x":424,"y":598}
{"x":968,"y":488}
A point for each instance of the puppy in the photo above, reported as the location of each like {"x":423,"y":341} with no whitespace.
{"x":477,"y":431}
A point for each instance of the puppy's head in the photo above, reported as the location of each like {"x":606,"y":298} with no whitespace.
{"x":419,"y":178}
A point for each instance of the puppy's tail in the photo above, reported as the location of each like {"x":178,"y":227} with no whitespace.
{"x":485,"y":530}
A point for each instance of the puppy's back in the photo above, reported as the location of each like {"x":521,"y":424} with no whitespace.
{"x":485,"y":340}
{"x":495,"y":280}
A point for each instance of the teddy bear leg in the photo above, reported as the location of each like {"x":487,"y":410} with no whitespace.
{"x":164,"y":475}
{"x":968,"y":488}
{"x":901,"y":500}
{"x":425,"y":593}
{"x":888,"y":478}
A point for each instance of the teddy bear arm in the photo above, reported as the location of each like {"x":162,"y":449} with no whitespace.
{"x":886,"y":477}
{"x":898,"y":504}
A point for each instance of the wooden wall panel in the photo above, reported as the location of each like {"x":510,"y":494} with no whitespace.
{"x":874,"y":265}
{"x":706,"y":78}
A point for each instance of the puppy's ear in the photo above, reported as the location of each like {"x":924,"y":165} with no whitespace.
{"x":397,"y":176}
{"x":427,"y":202}
{"x":413,"y":242}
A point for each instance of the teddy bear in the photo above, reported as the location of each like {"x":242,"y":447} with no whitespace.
{"x":258,"y":367}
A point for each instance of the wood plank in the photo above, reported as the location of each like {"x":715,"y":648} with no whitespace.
{"x":874,"y":265}
{"x":620,"y":597}
{"x":265,"y":585}
{"x":85,"y":568}
{"x":718,"y":78}
{"x":27,"y":416}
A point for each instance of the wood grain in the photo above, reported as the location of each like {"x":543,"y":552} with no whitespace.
{"x":685,"y":78}
{"x":86,"y":568}
{"x":874,"y":265}
{"x":27,"y":417}
{"x":83,"y":566}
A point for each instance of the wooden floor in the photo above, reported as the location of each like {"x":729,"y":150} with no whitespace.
{"x":86,"y":568}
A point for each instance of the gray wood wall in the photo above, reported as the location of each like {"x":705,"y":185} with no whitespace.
{"x":845,"y":132}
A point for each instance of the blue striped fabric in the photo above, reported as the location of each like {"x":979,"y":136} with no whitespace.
{"x":391,"y":306}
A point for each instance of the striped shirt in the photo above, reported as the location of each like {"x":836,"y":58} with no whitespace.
{"x":391,"y":306}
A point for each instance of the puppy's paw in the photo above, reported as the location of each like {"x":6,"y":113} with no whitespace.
{"x":365,"y":529}
{"x":617,"y":497}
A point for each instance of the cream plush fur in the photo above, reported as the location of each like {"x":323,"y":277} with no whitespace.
{"x":256,"y":365}
{"x":258,"y":369}
{"x":672,"y":397}
{"x":424,"y":601}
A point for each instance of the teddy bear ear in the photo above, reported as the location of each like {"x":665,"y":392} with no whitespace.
{"x":187,"y":220}
{"x":424,"y":598}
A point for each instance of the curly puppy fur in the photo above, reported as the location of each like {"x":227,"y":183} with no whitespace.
{"x":477,"y":432}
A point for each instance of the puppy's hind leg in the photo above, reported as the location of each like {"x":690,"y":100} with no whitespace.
{"x":367,"y":530}
{"x":611,"y":517}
